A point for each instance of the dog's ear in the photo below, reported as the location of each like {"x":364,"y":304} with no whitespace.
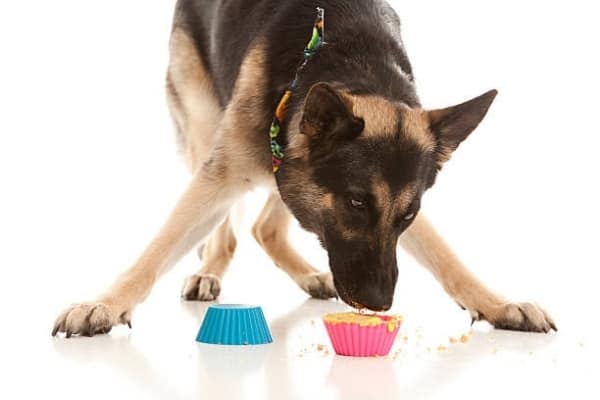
{"x":327,"y":118}
{"x":452,"y":125}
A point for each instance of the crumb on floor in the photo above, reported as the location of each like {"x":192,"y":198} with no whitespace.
{"x":396,"y":353}
{"x":315,"y":348}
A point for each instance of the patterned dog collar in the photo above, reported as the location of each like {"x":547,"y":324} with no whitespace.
{"x":316,"y":41}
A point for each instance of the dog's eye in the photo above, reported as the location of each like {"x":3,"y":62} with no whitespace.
{"x":357,"y":203}
{"x":409,"y":216}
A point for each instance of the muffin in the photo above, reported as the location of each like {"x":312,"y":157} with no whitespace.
{"x":362,"y":335}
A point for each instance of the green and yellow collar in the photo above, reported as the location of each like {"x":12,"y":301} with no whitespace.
{"x":316,"y":41}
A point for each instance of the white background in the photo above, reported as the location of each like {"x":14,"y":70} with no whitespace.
{"x":88,"y":172}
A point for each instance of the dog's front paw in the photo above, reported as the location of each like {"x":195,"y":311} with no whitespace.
{"x":525,"y":317}
{"x":319,"y":285}
{"x":89,"y":319}
{"x":201,"y":287}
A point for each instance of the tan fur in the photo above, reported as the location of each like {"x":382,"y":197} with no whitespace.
{"x":422,"y":241}
{"x":219,"y":249}
{"x":245,"y":113}
{"x":403,"y":202}
{"x":327,"y":201}
{"x":205,"y":285}
{"x":380,"y":115}
{"x":398,"y":204}
{"x":390,"y":206}
{"x":271,"y":232}
{"x":192,"y":100}
{"x":415,"y":125}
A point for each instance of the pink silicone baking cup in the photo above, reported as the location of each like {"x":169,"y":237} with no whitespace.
{"x":351,"y":339}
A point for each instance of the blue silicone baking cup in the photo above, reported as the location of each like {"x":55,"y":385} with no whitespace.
{"x":234,"y":324}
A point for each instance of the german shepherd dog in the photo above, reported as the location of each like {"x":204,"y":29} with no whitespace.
{"x":360,"y":151}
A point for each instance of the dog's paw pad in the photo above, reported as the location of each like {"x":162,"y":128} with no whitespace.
{"x":88,"y":319}
{"x":319,"y":285}
{"x":525,"y":317}
{"x":201,"y":287}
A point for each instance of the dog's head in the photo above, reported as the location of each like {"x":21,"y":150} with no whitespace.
{"x":355,"y":173}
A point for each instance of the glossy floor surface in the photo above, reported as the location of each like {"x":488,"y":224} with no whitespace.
{"x":159,"y":358}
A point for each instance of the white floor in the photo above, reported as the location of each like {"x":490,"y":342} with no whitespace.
{"x":159,"y":359}
{"x":88,"y":174}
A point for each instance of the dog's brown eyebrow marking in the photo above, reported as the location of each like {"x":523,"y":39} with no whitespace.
{"x":388,"y":206}
{"x":406,"y":197}
{"x":327,"y":200}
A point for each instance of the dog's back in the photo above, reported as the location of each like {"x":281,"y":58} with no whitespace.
{"x":364,"y":36}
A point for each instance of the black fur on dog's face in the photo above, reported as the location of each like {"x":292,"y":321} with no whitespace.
{"x":359,"y":183}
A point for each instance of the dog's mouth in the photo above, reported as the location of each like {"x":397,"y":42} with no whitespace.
{"x":361,"y":307}
{"x":356,"y":305}
{"x":348,"y":299}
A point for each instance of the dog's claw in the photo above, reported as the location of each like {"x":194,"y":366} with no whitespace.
{"x":550,"y":320}
{"x":129,"y":324}
{"x":525,"y":317}
{"x":87,"y":319}
{"x":475,"y":316}
{"x":201,"y":287}
{"x":319,"y":285}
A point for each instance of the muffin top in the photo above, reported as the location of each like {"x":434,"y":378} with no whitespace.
{"x":355,"y":318}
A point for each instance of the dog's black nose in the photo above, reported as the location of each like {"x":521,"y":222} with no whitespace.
{"x":371,"y":298}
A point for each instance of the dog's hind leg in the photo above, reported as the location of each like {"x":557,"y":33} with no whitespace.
{"x":205,"y":285}
{"x":196,"y":112}
{"x":192,"y":100}
{"x":423,"y":242}
{"x":271,"y":232}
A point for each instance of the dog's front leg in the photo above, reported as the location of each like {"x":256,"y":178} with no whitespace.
{"x":271,"y":232}
{"x":423,"y":242}
{"x":203,"y":205}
